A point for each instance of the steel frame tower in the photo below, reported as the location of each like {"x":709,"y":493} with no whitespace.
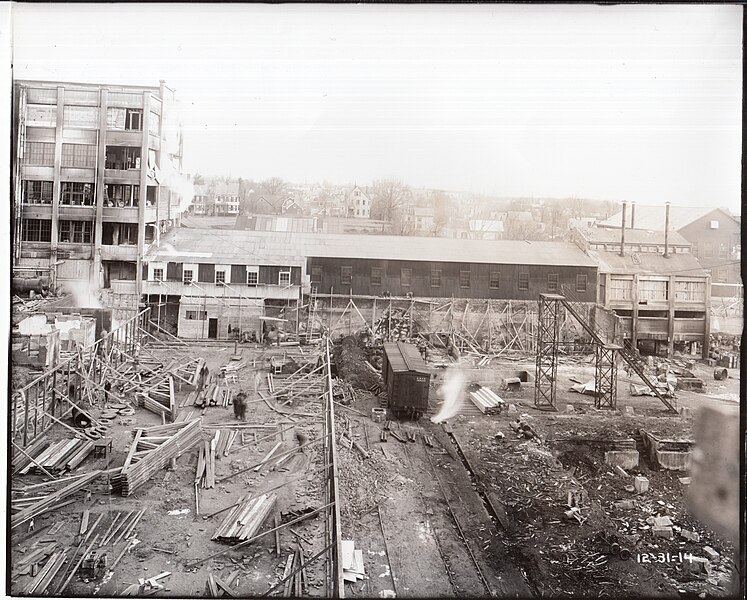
{"x":547,"y":351}
{"x":606,"y":376}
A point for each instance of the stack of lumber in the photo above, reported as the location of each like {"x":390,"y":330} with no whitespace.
{"x":294,"y":574}
{"x":218,"y":588}
{"x":158,"y":397}
{"x":39,"y":584}
{"x":233,"y":366}
{"x":187,"y":371}
{"x":205,"y":471}
{"x":216,"y":395}
{"x":60,"y":456}
{"x":224,"y":439}
{"x":152,"y":450}
{"x":244,"y":520}
{"x":52,"y":500}
{"x":353,"y":568}
{"x":487,"y":401}
{"x":20,"y":460}
{"x":145,"y":587}
{"x":122,"y":526}
{"x":37,"y":553}
{"x":187,"y":415}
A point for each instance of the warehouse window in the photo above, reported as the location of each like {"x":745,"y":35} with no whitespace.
{"x":552,"y":282}
{"x":122,"y":157}
{"x":195,"y":315}
{"x":78,"y":155}
{"x":39,"y":153}
{"x":220,"y":277}
{"x":121,"y":195}
{"x":435,"y":278}
{"x":252,"y":277}
{"x":523,"y":282}
{"x":347,"y":275}
{"x":76,"y":232}
{"x":581,"y":283}
{"x":376,"y":273}
{"x":464,"y":279}
{"x":406,"y":277}
{"x":187,"y":276}
{"x":76,"y":194}
{"x":37,"y":230}
{"x":134,"y":120}
{"x":86,"y":117}
{"x":37,"y":192}
{"x":284,"y":278}
{"x":495,"y":280}
{"x":157,"y":274}
{"x":316,"y":274}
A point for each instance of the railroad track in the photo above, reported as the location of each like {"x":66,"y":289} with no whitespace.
{"x":457,"y":524}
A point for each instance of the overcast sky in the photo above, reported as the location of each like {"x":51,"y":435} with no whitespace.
{"x":616,"y":102}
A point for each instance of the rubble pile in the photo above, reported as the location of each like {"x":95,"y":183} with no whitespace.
{"x":353,"y":365}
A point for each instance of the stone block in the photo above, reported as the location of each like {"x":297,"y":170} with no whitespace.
{"x":674,"y":461}
{"x":690,"y":535}
{"x":626,"y":459}
{"x":664,"y":532}
{"x":569,"y":408}
{"x":695,"y":564}
{"x":512,"y":409}
{"x":625,"y":504}
{"x":710,"y":553}
{"x":640,"y":484}
{"x":662,"y":522}
{"x":378,"y":415}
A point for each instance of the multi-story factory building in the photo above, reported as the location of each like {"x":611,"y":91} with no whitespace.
{"x":96,"y":178}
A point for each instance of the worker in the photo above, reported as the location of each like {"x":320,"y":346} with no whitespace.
{"x":31,"y":525}
{"x":107,"y":389}
{"x":239,"y":406}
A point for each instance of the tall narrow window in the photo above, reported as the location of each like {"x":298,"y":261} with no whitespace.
{"x":495,"y":280}
{"x":316,"y":274}
{"x":523,"y":282}
{"x":581,"y":283}
{"x":157,"y":274}
{"x":187,"y":275}
{"x":436,"y":278}
{"x":406,"y":277}
{"x":220,"y":277}
{"x":376,"y":273}
{"x":284,"y":278}
{"x":552,"y":282}
{"x":134,"y":120}
{"x":346,"y":275}
{"x":463,"y":279}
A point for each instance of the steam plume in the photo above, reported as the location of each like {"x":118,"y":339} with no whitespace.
{"x":452,"y":392}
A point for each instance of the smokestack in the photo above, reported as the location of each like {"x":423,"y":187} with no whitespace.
{"x":622,"y":230}
{"x":632,"y":214}
{"x":666,"y":232}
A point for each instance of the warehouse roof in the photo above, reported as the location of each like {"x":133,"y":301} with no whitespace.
{"x":653,"y":217}
{"x":600,"y":235}
{"x":647,"y":263}
{"x":237,"y":247}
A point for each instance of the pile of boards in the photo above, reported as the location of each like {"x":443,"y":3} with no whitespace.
{"x":294,"y":586}
{"x":487,"y":401}
{"x":353,"y":568}
{"x":215,"y":587}
{"x":57,"y":456}
{"x":152,"y":450}
{"x":245,"y":519}
{"x":158,"y":397}
{"x":39,"y":584}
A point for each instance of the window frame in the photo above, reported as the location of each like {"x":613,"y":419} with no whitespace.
{"x":523,"y":282}
{"x":494,"y":280}
{"x":579,"y":278}
{"x":553,"y":285}
{"x":405,"y":281}
{"x":79,"y":156}
{"x":31,"y":195}
{"x":462,"y":283}
{"x":255,"y":283}
{"x":191,"y":276}
{"x":220,"y":277}
{"x":346,"y":275}
{"x":78,"y":232}
{"x":282,"y":275}
{"x":70,"y":191}
{"x":436,"y":277}
{"x":133,"y":112}
{"x":42,"y":154}
{"x":40,"y":228}
{"x":377,"y":275}
{"x":156,"y":270}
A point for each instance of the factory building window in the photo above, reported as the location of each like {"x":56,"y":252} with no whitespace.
{"x":121,"y":195}
{"x":86,"y":117}
{"x":36,"y":230}
{"x":436,"y":278}
{"x":495,"y":280}
{"x":346,"y":275}
{"x":581,"y":283}
{"x":76,"y":194}
{"x":157,"y":274}
{"x":187,"y":276}
{"x":134,"y":120}
{"x":37,"y":192}
{"x":463,"y":279}
{"x":523,"y":282}
{"x":122,"y":157}
{"x":39,"y":153}
{"x":552,"y":282}
{"x":284,"y":278}
{"x":689,"y":291}
{"x":76,"y":232}
{"x":220,"y":277}
{"x":406,"y":277}
{"x":316,"y":274}
{"x":195,"y":315}
{"x":78,"y":155}
{"x":376,"y":273}
{"x":252,"y":278}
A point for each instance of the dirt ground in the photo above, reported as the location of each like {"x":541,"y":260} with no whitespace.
{"x":417,"y":511}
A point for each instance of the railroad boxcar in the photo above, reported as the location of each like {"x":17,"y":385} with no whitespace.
{"x":406,"y":379}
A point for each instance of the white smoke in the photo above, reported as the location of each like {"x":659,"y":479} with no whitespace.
{"x":170,"y":175}
{"x":452,"y":392}
{"x":85,"y":294}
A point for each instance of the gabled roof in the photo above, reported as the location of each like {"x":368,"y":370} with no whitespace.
{"x":598,"y":235}
{"x":238,"y":247}
{"x":654,"y":217}
{"x":647,"y":263}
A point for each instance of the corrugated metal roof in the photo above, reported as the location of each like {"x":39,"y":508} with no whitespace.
{"x":648,"y":263}
{"x":653,"y":217}
{"x":404,"y":358}
{"x":238,"y":247}
{"x":598,"y":235}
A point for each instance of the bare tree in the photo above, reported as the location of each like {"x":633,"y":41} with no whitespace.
{"x":387,"y":199}
{"x":274,"y":186}
{"x":442,"y":208}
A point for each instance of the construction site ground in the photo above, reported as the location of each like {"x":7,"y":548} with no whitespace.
{"x":418,"y":512}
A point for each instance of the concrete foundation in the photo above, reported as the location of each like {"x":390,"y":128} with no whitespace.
{"x":625,"y":459}
{"x":674,"y":461}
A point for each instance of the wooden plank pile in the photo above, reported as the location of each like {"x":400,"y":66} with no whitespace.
{"x":353,"y":568}
{"x":216,"y":587}
{"x":158,"y":397}
{"x":39,"y":584}
{"x":244,"y":520}
{"x":51,"y":500}
{"x":59,"y":456}
{"x":21,"y":460}
{"x":152,"y":450}
{"x":487,"y":401}
{"x":122,"y":526}
{"x":188,"y":372}
{"x":146,"y":587}
{"x":224,"y":439}
{"x":296,"y":583}
{"x":27,"y":564}
{"x":205,"y":471}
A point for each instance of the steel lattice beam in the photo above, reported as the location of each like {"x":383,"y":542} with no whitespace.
{"x":547,"y":350}
{"x":606,"y":376}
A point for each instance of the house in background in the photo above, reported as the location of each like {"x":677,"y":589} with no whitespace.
{"x":358,"y":204}
{"x":226,"y":199}
{"x":482,"y":229}
{"x":420,"y":219}
{"x":277,"y":205}
{"x":200,"y":204}
{"x":714,"y":234}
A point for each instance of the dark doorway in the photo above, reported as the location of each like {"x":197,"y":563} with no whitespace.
{"x":212,"y":329}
